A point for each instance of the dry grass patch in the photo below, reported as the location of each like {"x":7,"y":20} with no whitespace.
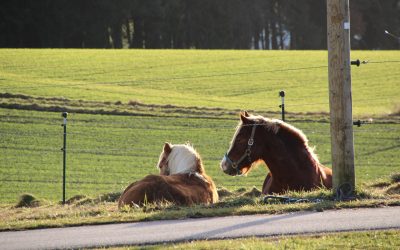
{"x":83,"y":210}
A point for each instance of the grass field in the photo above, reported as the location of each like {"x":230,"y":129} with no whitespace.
{"x":105,"y":153}
{"x":128,"y":103}
{"x":351,"y":240}
{"x":223,"y":79}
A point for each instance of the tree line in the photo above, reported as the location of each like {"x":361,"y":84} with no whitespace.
{"x":183,"y":24}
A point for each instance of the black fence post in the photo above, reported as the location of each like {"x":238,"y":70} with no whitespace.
{"x":282,"y":106}
{"x":64,"y":149}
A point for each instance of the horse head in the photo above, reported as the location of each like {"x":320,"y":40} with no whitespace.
{"x":245,"y":147}
{"x":179,"y":159}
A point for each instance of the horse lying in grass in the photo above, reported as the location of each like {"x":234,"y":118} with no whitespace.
{"x":284,"y":148}
{"x":182,"y":180}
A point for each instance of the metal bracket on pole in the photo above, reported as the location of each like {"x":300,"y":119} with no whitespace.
{"x":358,"y":123}
{"x":358,"y":62}
{"x":282,"y":106}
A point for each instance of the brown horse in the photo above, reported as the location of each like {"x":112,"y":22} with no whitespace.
{"x":284,"y":148}
{"x":182,"y":180}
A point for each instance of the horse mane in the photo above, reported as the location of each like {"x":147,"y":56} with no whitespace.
{"x":292,"y":133}
{"x":184,"y":159}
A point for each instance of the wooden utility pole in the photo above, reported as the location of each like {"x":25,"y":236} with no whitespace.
{"x":340,"y":101}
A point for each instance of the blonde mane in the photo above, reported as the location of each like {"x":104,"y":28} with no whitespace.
{"x":184,"y":159}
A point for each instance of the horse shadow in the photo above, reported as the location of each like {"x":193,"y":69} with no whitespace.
{"x":241,"y":226}
{"x":235,"y":223}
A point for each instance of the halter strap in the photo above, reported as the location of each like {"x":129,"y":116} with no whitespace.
{"x":246,"y":153}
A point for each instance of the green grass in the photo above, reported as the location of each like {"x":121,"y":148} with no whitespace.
{"x":84,"y":210}
{"x":138,"y":99}
{"x":105,"y":153}
{"x":225,"y":79}
{"x":388,"y":239}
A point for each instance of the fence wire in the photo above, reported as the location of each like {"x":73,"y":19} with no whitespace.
{"x":107,"y":162}
{"x":105,"y":155}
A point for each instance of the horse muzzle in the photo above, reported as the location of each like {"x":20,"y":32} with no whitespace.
{"x":227,"y":166}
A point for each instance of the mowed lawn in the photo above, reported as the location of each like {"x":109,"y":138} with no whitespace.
{"x":224,"y":79}
{"x":107,"y":152}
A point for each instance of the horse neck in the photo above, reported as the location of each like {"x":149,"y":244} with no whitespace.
{"x":292,"y":157}
{"x":184,"y":163}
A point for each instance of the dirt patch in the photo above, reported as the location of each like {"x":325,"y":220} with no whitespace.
{"x":253,"y":193}
{"x":138,"y":108}
{"x":75,"y":199}
{"x":393,"y":189}
{"x":395,"y":178}
{"x":223,"y":192}
{"x":131,"y":108}
{"x":382,"y":184}
{"x":27,"y":200}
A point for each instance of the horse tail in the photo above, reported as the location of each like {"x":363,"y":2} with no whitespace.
{"x":212,"y":188}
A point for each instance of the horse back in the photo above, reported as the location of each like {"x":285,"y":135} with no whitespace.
{"x":181,"y":189}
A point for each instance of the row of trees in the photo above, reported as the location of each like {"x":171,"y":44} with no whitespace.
{"x":205,"y":24}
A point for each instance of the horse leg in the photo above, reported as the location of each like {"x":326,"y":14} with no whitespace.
{"x":267,"y":184}
{"x":327,"y":181}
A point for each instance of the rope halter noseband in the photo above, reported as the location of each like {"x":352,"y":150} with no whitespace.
{"x":247,"y":152}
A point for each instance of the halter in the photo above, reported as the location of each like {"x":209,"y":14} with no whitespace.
{"x":246,"y":153}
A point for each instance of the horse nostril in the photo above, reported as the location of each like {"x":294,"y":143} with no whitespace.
{"x":223,"y":166}
{"x":226,"y":169}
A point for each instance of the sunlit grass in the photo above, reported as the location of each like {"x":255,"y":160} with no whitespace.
{"x":387,"y":239}
{"x":105,"y":153}
{"x":87,"y":210}
{"x":226,"y":79}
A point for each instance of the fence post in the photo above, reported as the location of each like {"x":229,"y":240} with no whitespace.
{"x":64,"y":149}
{"x":340,"y":98}
{"x":282,"y":106}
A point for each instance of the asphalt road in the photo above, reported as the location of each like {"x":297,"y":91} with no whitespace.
{"x":205,"y":228}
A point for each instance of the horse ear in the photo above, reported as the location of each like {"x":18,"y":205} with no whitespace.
{"x":245,"y":119}
{"x":167,"y":147}
{"x":246,"y":114}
